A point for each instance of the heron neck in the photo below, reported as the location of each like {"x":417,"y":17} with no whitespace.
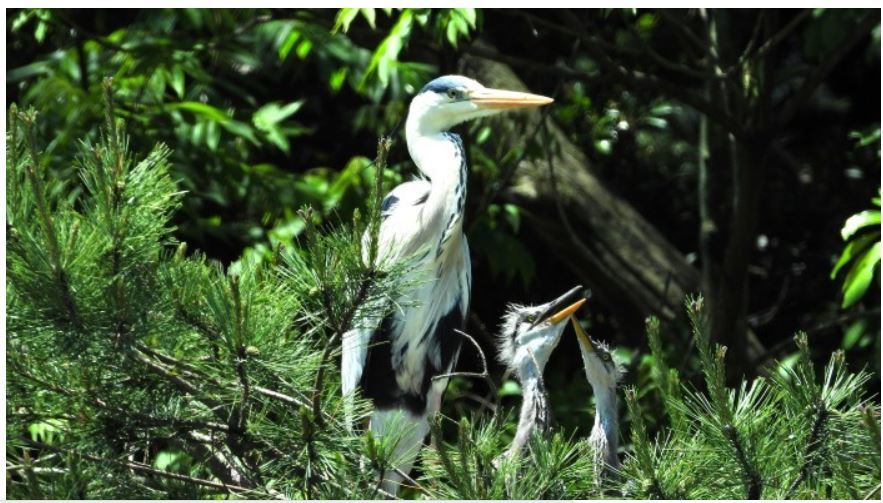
{"x":605,"y":430}
{"x":441,"y":158}
{"x":534,"y":414}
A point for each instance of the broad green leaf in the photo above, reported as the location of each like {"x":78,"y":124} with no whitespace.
{"x":787,"y":363}
{"x":853,"y":249}
{"x":451,"y":33}
{"x":853,"y":334}
{"x":288,"y":45}
{"x":469,"y":14}
{"x":241,"y":129}
{"x":369,"y":16}
{"x":274,"y":113}
{"x":859,"y":278}
{"x":603,"y":147}
{"x":858,"y":221}
{"x":167,"y":460}
{"x":509,"y":388}
{"x":40,"y":31}
{"x":303,"y":49}
{"x":202,"y":109}
{"x":483,"y":134}
{"x":176,"y":80}
{"x":513,"y":216}
{"x":338,"y":77}
{"x":212,"y":135}
{"x":28,"y":71}
{"x":46,"y":431}
{"x":388,"y":50}
{"x":344,"y":18}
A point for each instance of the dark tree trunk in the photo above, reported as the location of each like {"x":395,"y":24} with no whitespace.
{"x":607,"y":244}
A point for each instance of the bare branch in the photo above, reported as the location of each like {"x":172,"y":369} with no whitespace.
{"x":484,"y":372}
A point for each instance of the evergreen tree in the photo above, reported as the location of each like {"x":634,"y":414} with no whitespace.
{"x":139,"y":370}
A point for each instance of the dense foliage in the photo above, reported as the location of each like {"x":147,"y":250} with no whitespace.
{"x":177,"y":288}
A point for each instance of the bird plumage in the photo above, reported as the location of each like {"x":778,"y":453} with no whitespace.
{"x":526,"y":339}
{"x":603,"y":374}
{"x":394,"y":358}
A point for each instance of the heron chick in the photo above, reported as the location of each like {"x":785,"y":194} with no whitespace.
{"x":528,"y":336}
{"x":602,"y":373}
{"x":394,"y":359}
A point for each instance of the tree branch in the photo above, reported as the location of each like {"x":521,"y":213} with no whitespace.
{"x":140,"y":467}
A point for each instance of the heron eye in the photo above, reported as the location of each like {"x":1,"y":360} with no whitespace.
{"x":454,"y":94}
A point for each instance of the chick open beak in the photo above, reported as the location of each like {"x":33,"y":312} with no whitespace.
{"x":553,"y":317}
{"x":566,"y":312}
{"x":582,"y":336}
{"x":500,"y":99}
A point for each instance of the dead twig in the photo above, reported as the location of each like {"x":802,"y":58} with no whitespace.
{"x":484,"y":372}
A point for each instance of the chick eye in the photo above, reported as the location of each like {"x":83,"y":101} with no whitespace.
{"x":531,"y":318}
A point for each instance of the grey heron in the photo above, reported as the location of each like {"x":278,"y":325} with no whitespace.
{"x":527,"y":337}
{"x":394,"y":360}
{"x":603,"y":373}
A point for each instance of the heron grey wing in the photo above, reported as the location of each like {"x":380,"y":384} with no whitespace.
{"x":400,"y":232}
{"x":354,"y":350}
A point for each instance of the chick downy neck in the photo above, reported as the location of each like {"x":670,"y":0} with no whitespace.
{"x":604,"y":432}
{"x":535,"y":412}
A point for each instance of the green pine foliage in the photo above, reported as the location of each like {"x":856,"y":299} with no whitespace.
{"x":791,"y":434}
{"x":137,"y":369}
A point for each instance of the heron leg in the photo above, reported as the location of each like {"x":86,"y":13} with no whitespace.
{"x":407,"y":431}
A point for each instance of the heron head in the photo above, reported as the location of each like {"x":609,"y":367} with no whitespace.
{"x":529,"y":334}
{"x":449,"y":100}
{"x":601,"y":369}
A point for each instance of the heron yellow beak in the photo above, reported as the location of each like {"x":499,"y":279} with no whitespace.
{"x":582,"y":336}
{"x":500,"y":99}
{"x":566,"y":312}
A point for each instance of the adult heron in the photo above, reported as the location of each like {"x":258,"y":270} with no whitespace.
{"x":395,"y":359}
{"x":527,"y":337}
{"x":602,"y":373}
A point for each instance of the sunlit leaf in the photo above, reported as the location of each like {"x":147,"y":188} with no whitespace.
{"x":858,"y":221}
{"x":853,"y":249}
{"x":202,"y":109}
{"x":860,"y":276}
{"x":853,"y":334}
{"x":369,"y":16}
{"x":509,"y":388}
{"x":344,"y":18}
{"x":176,"y":80}
{"x":288,"y":45}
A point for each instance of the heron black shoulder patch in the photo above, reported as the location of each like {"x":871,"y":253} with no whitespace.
{"x":388,"y":202}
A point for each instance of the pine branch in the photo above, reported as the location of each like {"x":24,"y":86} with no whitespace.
{"x":140,"y":467}
{"x":820,"y":419}
{"x":641,"y":445}
{"x":36,"y":180}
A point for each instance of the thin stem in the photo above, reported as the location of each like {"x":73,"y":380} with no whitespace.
{"x":484,"y":370}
